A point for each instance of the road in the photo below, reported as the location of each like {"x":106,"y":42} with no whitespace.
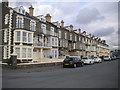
{"x":99,"y":75}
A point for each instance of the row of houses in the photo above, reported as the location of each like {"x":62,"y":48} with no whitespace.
{"x":36,"y":37}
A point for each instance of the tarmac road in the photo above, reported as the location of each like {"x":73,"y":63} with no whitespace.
{"x":99,"y":75}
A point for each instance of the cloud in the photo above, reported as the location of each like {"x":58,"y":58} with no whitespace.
{"x":98,"y":18}
{"x":87,"y":15}
{"x":104,"y":32}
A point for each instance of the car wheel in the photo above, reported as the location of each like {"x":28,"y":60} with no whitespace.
{"x":90,"y":62}
{"x":74,"y":65}
{"x":64,"y":66}
{"x":82,"y":64}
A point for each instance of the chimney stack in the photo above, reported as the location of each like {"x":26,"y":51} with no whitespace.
{"x":31,"y":10}
{"x":79,"y":30}
{"x":90,"y":35}
{"x":48,"y":17}
{"x":71,"y":27}
{"x":62,"y":23}
{"x":84,"y":32}
{"x":104,"y":41}
{"x":93,"y":36}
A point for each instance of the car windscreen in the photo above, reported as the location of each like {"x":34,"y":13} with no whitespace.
{"x":69,"y":59}
{"x":84,"y":58}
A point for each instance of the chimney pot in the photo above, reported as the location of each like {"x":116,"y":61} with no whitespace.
{"x":79,"y":30}
{"x":62,"y":23}
{"x":31,"y":10}
{"x":48,"y":17}
{"x":84,"y":32}
{"x":71,"y":27}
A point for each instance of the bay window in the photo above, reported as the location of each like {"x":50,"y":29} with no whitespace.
{"x":56,"y":42}
{"x":23,"y":52}
{"x":52,"y":53}
{"x":52,"y":41}
{"x":29,"y":52}
{"x":24,"y":37}
{"x":17,"y":35}
{"x":29,"y":37}
{"x":17,"y":50}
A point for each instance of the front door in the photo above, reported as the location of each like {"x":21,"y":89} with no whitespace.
{"x":36,"y":55}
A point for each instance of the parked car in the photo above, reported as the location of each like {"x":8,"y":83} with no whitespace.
{"x":97,"y":60}
{"x":73,"y":62}
{"x":118,"y":57}
{"x":113,"y":57}
{"x":87,"y":60}
{"x":107,"y":58}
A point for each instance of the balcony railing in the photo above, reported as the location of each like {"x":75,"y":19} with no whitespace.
{"x":40,"y":44}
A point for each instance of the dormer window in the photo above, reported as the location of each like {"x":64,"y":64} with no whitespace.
{"x":41,"y":18}
{"x":23,"y":11}
{"x":20,"y":10}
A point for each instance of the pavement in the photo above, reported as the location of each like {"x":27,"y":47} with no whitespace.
{"x":99,"y":75}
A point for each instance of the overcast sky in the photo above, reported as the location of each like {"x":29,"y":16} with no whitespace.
{"x":96,"y":18}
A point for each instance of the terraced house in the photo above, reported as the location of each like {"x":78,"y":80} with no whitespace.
{"x":36,"y":38}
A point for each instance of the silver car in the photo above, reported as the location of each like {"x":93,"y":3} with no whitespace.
{"x":97,"y":60}
{"x":87,"y":60}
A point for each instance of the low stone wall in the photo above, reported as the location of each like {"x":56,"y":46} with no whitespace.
{"x":33,"y":65}
{"x":50,"y":60}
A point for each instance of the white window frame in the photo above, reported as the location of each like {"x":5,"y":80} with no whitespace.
{"x":24,"y":37}
{"x":29,"y":54}
{"x":65,"y":35}
{"x":29,"y":38}
{"x":6,"y":18}
{"x":17,"y":52}
{"x":59,"y":34}
{"x":79,"y":38}
{"x":32,"y":25}
{"x":17,"y":36}
{"x":75,"y":37}
{"x":24,"y":53}
{"x":53,"y":41}
{"x":43,"y":27}
{"x":5,"y":35}
{"x":5,"y":52}
{"x":70,"y":36}
{"x":52,"y":31}
{"x":19,"y":23}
